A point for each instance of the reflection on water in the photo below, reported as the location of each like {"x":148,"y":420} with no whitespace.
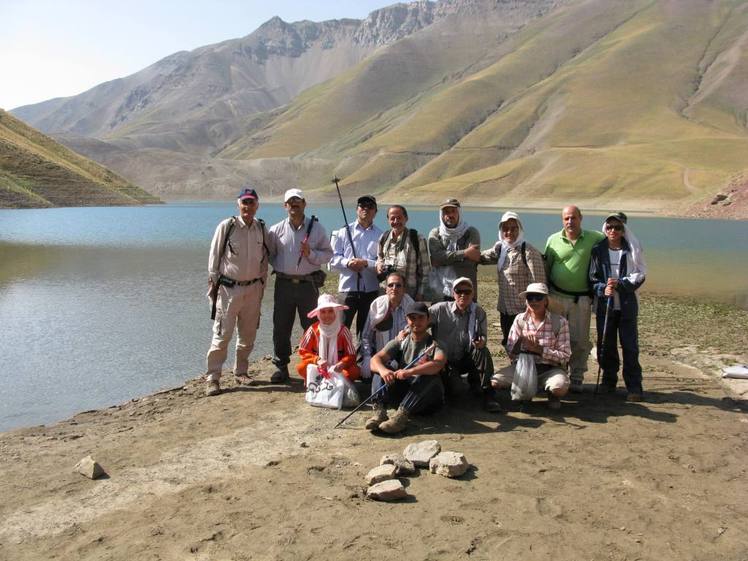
{"x":101,"y":305}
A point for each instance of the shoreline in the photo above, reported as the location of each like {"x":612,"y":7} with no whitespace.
{"x":657,"y":311}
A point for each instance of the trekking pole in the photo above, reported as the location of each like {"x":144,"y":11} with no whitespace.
{"x":335,"y":180}
{"x":312,"y":220}
{"x":601,"y":347}
{"x":373,"y":395}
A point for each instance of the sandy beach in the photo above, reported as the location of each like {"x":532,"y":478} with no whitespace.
{"x":257,"y":474}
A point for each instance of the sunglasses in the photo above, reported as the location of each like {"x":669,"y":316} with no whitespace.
{"x":616,"y":227}
{"x":463,"y":291}
{"x":535,"y":297}
{"x":394,"y":285}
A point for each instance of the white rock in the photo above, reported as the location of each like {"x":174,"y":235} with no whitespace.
{"x":90,"y":468}
{"x":421,"y":452}
{"x":390,"y":490}
{"x":403,"y":466}
{"x":449,"y":464}
{"x":381,"y":473}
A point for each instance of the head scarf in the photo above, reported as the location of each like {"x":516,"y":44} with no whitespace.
{"x":452,"y":235}
{"x":636,"y":268}
{"x":502,"y":246}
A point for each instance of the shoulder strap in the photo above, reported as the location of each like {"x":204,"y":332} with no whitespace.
{"x":523,"y":252}
{"x":555,"y":323}
{"x":230,"y":229}
{"x":264,"y":243}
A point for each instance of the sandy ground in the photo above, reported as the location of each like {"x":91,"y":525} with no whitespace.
{"x":254,"y":473}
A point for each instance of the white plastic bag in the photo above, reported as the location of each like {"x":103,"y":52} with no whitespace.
{"x":324,"y":391}
{"x":525,"y":382}
{"x":739,"y":371}
{"x":332,"y":391}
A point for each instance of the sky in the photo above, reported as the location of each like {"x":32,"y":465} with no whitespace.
{"x":55,"y":48}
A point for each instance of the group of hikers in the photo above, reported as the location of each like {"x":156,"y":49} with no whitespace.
{"x":414,"y":354}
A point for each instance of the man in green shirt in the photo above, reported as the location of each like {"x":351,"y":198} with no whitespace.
{"x":567,"y":261}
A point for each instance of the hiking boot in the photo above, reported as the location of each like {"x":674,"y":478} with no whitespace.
{"x":490,"y":404}
{"x":634,"y":397}
{"x":474,"y":384}
{"x":380,"y":416}
{"x":280,"y":376}
{"x":576,"y":385}
{"x":395,"y":424}
{"x":212,"y":388}
{"x":554,"y":402}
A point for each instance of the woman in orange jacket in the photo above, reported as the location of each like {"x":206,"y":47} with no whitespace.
{"x":328,"y":343}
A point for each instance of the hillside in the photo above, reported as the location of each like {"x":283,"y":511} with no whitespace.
{"x":36,"y":171}
{"x":638,"y":104}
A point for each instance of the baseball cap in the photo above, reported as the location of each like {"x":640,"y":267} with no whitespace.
{"x":461,"y":280}
{"x":248,"y":193}
{"x":450,"y":203}
{"x":293,"y":193}
{"x":417,"y":308}
{"x":366,"y":200}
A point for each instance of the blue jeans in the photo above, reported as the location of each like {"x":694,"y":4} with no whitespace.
{"x":626,"y":330}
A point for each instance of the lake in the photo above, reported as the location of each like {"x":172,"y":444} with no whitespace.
{"x":100,"y":305}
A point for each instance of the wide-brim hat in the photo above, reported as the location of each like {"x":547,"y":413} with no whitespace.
{"x":534,"y":288}
{"x":326,"y":301}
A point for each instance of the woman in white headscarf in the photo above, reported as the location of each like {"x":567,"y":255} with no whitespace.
{"x":328,"y":343}
{"x":518,"y":264}
{"x":617,"y":270}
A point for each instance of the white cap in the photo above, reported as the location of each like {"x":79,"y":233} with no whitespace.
{"x":293,"y":193}
{"x":461,"y":280}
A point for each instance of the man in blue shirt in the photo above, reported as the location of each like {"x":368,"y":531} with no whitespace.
{"x":357,"y":263}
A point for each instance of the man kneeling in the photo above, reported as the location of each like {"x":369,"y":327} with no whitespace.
{"x":416,"y":389}
{"x":546,"y":337}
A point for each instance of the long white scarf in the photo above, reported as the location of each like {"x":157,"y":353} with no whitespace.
{"x":502,"y":246}
{"x":328,"y":339}
{"x":452,"y":235}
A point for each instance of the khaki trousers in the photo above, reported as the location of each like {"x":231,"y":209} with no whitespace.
{"x":578,"y":314}
{"x":237,"y":308}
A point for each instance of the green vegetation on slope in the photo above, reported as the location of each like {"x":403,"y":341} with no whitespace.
{"x":36,"y":171}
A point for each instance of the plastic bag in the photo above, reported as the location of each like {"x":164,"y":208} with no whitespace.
{"x":525,"y":382}
{"x":332,"y":391}
{"x":324,"y":391}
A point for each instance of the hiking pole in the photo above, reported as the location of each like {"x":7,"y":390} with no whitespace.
{"x":312,"y":220}
{"x":335,"y":180}
{"x":601,"y":347}
{"x":383,"y":386}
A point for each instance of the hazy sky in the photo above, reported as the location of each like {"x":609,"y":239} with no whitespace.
{"x":55,"y":48}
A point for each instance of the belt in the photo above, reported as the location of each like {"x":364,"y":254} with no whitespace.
{"x":576,"y":295}
{"x":231,"y":283}
{"x":296,"y":279}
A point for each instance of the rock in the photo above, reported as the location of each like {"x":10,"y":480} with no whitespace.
{"x":381,"y":473}
{"x":402,"y":466}
{"x":422,"y":452}
{"x":90,"y":468}
{"x":449,"y":464}
{"x":391,"y":490}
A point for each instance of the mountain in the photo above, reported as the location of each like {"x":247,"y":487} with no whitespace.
{"x":36,"y":171}
{"x":639,"y":104}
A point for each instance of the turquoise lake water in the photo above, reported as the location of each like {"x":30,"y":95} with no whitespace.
{"x":100,"y":305}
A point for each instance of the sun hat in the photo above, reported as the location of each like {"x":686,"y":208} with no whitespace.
{"x":535,"y":288}
{"x":461,"y":280}
{"x":248,"y":193}
{"x":291,"y":193}
{"x":326,"y":301}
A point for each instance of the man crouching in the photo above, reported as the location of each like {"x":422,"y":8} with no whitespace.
{"x":416,"y":389}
